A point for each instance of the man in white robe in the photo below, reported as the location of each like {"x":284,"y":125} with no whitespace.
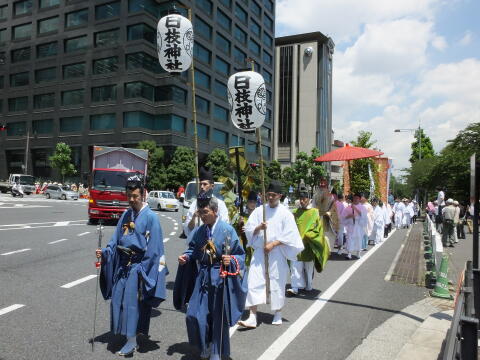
{"x":283,"y":243}
{"x":340,"y":204}
{"x":407,"y":214}
{"x":355,"y":219}
{"x":388,"y":213}
{"x":378,"y":228}
{"x":369,"y":224}
{"x":398,"y":210}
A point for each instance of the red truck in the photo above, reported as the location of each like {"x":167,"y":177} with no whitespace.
{"x":112,"y":166}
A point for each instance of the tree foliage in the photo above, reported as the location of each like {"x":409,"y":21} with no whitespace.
{"x":62,"y":160}
{"x":218,"y":162}
{"x":426,"y":148}
{"x":359,"y":177}
{"x":182,"y":167}
{"x":157,"y":177}
{"x":274,"y":170}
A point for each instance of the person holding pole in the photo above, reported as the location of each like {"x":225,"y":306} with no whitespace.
{"x":274,"y":241}
{"x":218,"y":299}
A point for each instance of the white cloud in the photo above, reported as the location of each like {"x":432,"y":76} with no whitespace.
{"x":439,"y":43}
{"x":467,"y":38}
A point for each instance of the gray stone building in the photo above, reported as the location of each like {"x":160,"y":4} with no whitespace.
{"x":86,"y":73}
{"x":303,"y":95}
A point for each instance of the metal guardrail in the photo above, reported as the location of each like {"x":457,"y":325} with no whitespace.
{"x":461,"y":342}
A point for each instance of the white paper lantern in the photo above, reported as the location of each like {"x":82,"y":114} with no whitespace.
{"x":175,"y":43}
{"x":247,"y":97}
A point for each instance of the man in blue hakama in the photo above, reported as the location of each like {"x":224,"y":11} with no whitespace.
{"x":133,"y":268}
{"x":218,"y":298}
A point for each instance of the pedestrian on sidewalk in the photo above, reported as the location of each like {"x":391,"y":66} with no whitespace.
{"x":133,"y":268}
{"x":369,"y":225}
{"x":469,"y":217}
{"x":283,"y":243}
{"x":340,"y":240}
{"x":316,"y":252}
{"x":398,"y":210}
{"x":448,"y":215}
{"x":456,"y":220}
{"x":461,"y":222}
{"x":355,"y":220}
{"x":378,"y":222}
{"x":388,"y":213}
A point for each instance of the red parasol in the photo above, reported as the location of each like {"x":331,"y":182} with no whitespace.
{"x":347,"y":153}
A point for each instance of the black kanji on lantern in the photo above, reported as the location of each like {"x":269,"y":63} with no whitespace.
{"x":172,"y":40}
{"x":243,"y":107}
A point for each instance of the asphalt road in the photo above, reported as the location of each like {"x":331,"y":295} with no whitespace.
{"x":47,"y":244}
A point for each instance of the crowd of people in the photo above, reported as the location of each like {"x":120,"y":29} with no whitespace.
{"x":80,"y":188}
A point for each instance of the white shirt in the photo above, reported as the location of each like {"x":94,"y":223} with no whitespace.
{"x":441,"y":198}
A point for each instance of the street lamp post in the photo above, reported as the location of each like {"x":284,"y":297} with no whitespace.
{"x":417,"y":131}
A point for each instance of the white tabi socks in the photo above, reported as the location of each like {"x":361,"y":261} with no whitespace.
{"x":277,"y":318}
{"x":251,"y":322}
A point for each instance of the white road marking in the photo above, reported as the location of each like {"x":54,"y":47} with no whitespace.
{"x":175,"y":228}
{"x":62,"y":223}
{"x":84,"y":233}
{"x":395,"y":260}
{"x":162,"y":215}
{"x":172,"y":233}
{"x":57,"y":241}
{"x":10,"y":308}
{"x":40,"y":225}
{"x":15,"y":252}
{"x":19,"y":205}
{"x":37,"y":227}
{"x":79,"y":281}
{"x":281,"y":343}
{"x":27,"y":227}
{"x":24,"y":207}
{"x":166,"y":239}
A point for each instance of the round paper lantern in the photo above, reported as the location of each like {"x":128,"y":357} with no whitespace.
{"x":175,"y":43}
{"x":247,"y":97}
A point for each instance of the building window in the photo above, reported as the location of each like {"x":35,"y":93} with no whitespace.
{"x":268,"y":117}
{"x":240,"y":35}
{"x":202,"y":79}
{"x":201,"y":53}
{"x":107,"y":38}
{"x":241,"y":14}
{"x":141,"y":31}
{"x":138,"y":119}
{"x":267,"y":76}
{"x":22,"y":7}
{"x":202,"y":131}
{"x":269,"y":5}
{"x":44,"y":126}
{"x":71,"y":124}
{"x":269,"y":97}
{"x":76,"y":44}
{"x":74,"y":70}
{"x":254,"y":47}
{"x":235,"y":141}
{"x":73,"y":97}
{"x":202,"y":28}
{"x":21,"y":32}
{"x":224,"y":20}
{"x":266,"y":152}
{"x":76,"y":18}
{"x":19,"y":79}
{"x":22,"y":54}
{"x":251,"y":146}
{"x":45,"y":75}
{"x":104,"y":93}
{"x":255,"y":28}
{"x":18,"y":104}
{"x":17,"y":128}
{"x":141,"y":60}
{"x":222,"y":66}
{"x":149,"y":6}
{"x":107,"y":11}
{"x":205,"y":5}
{"x":220,"y":137}
{"x":178,"y":123}
{"x":203,"y":105}
{"x":48,"y":25}
{"x":220,"y":113}
{"x":3,"y":36}
{"x":105,"y":66}
{"x":171,"y":93}
{"x":3,"y":12}
{"x":267,"y":58}
{"x":43,"y":101}
{"x":268,"y":22}
{"x":266,"y":133}
{"x":140,"y":89}
{"x":267,"y":40}
{"x":103,"y":122}
{"x":226,"y":3}
{"x":220,"y":89}
{"x":48,"y":49}
{"x":255,"y":8}
{"x":223,"y":44}
{"x":239,"y":55}
{"x":1,"y":85}
{"x":48,"y":3}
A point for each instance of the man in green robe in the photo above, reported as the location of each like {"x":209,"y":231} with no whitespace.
{"x":316,"y":252}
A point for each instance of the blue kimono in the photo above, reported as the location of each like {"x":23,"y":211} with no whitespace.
{"x":133,"y":272}
{"x":204,"y":313}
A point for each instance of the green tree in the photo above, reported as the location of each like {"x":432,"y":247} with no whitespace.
{"x":317,"y":170}
{"x":359,"y":176}
{"x":426,"y":149}
{"x":62,"y":160}
{"x":301,"y":169}
{"x":182,"y":167}
{"x":399,"y":188}
{"x":289,"y":177}
{"x":157,"y":177}
{"x":274,"y":170}
{"x":219,"y":163}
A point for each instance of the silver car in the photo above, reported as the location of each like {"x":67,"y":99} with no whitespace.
{"x":60,"y":192}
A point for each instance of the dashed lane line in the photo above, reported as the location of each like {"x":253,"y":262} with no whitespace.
{"x":166,"y":239}
{"x":15,"y":252}
{"x":41,"y":225}
{"x":84,"y":233}
{"x":172,"y":233}
{"x":79,"y":281}
{"x":57,"y":241}
{"x":10,"y":308}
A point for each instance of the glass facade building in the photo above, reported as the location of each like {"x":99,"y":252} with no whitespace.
{"x":87,"y":73}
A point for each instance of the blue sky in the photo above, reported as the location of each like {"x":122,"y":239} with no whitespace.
{"x":397,"y":64}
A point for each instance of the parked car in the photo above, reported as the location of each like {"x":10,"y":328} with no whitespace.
{"x":60,"y":192}
{"x":162,"y":200}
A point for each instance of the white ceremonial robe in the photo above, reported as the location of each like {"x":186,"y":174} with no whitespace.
{"x":370,"y":218}
{"x":281,"y":226}
{"x":355,"y":227}
{"x":378,"y":225}
{"x":398,"y":209}
{"x":387,"y":209}
{"x":407,"y":215}
{"x":302,"y":274}
{"x":341,"y":227}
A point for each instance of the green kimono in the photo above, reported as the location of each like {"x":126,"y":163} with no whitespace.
{"x":310,"y":227}
{"x":238,"y":224}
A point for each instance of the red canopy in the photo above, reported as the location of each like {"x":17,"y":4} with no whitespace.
{"x":348,"y":153}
